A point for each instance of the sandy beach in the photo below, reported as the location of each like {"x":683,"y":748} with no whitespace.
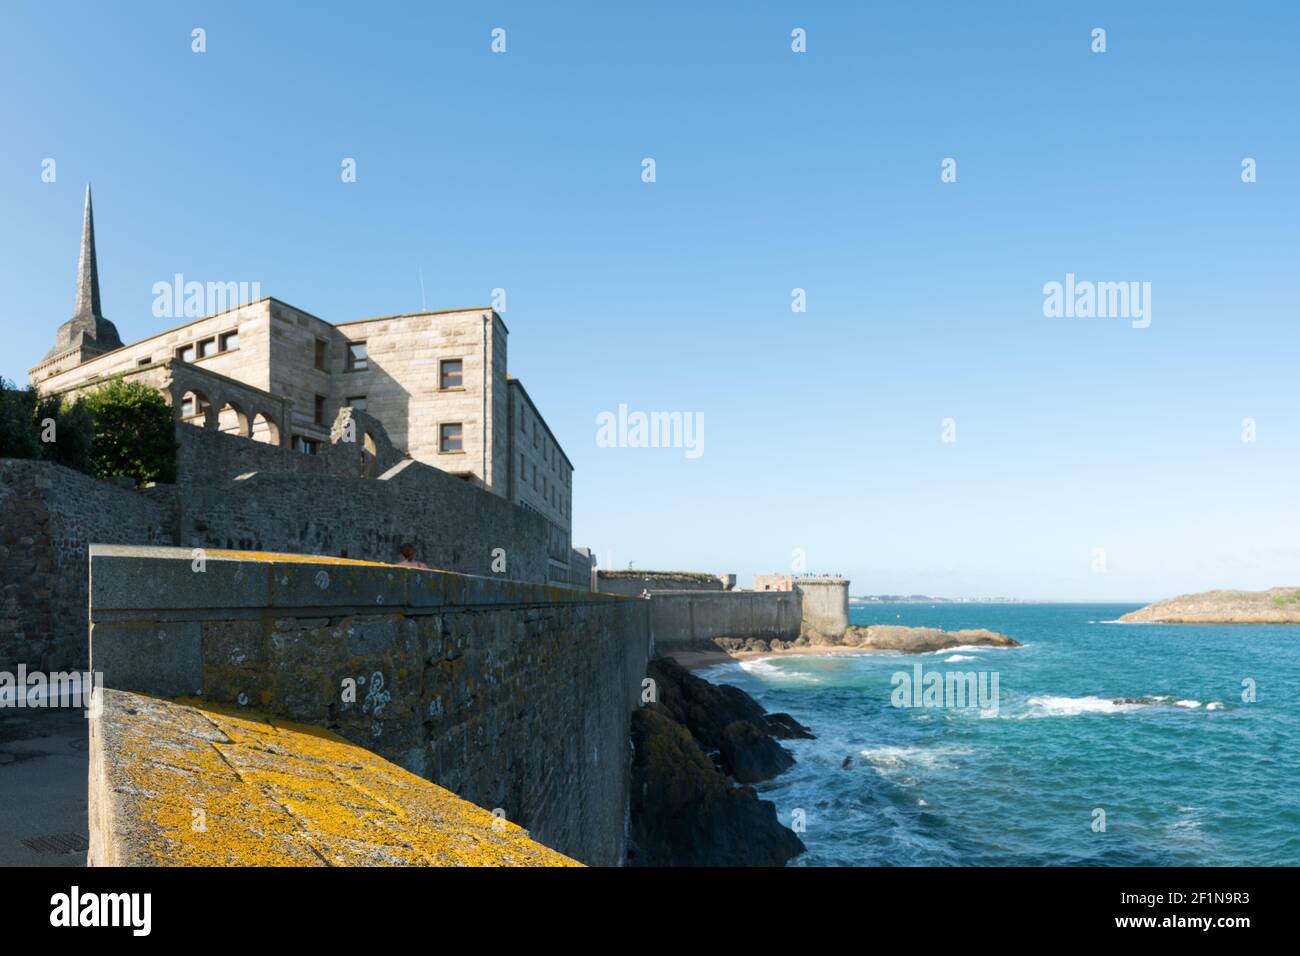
{"x":698,"y":660}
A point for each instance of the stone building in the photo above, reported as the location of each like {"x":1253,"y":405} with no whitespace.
{"x":265,"y":370}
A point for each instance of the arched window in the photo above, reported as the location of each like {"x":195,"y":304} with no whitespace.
{"x":231,"y":420}
{"x":194,"y":408}
{"x":265,"y":429}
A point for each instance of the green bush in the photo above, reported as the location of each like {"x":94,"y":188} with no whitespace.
{"x":66,"y":430}
{"x":134,"y":434}
{"x":19,"y":437}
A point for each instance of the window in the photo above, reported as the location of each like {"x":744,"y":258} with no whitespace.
{"x":185,"y":353}
{"x":523,"y":467}
{"x":358,"y":360}
{"x":450,"y":437}
{"x":207,"y":347}
{"x":322,"y":350}
{"x":144,"y":361}
{"x":320,"y":409}
{"x":306,"y":446}
{"x":451,"y":374}
{"x":357,"y":402}
{"x":229,"y":341}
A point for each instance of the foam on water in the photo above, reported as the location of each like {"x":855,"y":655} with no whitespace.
{"x":936,"y":786}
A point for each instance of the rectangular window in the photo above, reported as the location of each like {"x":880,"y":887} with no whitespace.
{"x":358,"y":360}
{"x":320,"y":409}
{"x":305,"y":446}
{"x":358,"y":402}
{"x":450,"y":437}
{"x":185,"y":353}
{"x":207,"y":347}
{"x":229,"y":341}
{"x":143,"y":361}
{"x":451,"y":374}
{"x":523,"y":467}
{"x":322,"y":351}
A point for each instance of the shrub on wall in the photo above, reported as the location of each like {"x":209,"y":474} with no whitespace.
{"x":67,"y":432}
{"x":134,"y":434}
{"x":18,"y":435}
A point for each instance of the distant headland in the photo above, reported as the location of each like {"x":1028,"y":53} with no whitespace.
{"x":1274,"y":606}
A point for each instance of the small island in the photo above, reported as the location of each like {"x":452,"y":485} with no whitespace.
{"x":872,"y":639}
{"x":1274,"y":606}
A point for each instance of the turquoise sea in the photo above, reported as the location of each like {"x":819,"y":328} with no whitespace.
{"x":1197,"y":776}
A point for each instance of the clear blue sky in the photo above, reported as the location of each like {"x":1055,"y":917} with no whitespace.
{"x":774,"y":171}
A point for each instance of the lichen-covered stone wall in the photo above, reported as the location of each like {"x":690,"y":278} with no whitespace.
{"x":514,"y":696}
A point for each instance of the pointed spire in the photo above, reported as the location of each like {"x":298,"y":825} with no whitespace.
{"x":88,"y":268}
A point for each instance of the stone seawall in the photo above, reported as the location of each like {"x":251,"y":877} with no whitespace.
{"x":689,"y":618}
{"x":49,"y":515}
{"x":234,"y":493}
{"x":514,"y":696}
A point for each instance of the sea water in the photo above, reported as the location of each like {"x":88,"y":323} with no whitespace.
{"x":1202,"y":769}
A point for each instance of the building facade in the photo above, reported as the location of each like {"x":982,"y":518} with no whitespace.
{"x":436,"y":381}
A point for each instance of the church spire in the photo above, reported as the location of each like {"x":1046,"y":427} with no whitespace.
{"x":87,"y":330}
{"x":88,"y":268}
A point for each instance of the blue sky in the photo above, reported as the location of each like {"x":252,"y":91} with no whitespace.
{"x":775,"y":170}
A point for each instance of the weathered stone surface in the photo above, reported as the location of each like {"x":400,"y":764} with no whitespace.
{"x":521,"y":705}
{"x":189,"y":784}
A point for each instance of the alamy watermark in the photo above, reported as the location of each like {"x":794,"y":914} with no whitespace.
{"x":627,"y":429}
{"x":1083,"y":299}
{"x":945,"y":689}
{"x":37,"y":689}
{"x":193,"y":300}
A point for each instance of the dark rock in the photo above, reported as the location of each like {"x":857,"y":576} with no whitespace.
{"x":684,"y":812}
{"x":785,"y":727}
{"x":703,"y":708}
{"x":749,"y":755}
{"x":848,"y":762}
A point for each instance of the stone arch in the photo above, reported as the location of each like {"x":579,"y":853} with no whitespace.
{"x":196,"y":409}
{"x":232,"y":420}
{"x":265,"y":429}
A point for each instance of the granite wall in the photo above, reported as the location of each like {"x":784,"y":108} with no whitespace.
{"x":49,"y":515}
{"x":695,"y":618}
{"x":357,"y":499}
{"x":516,"y":697}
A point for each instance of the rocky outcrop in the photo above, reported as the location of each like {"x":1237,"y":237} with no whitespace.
{"x":1274,"y":606}
{"x":921,"y":640}
{"x":876,"y":637}
{"x":692,"y":747}
{"x":685,"y":812}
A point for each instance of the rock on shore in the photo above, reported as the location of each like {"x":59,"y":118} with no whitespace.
{"x":691,"y":749}
{"x":876,"y":637}
{"x":1274,"y":606}
{"x":921,"y":640}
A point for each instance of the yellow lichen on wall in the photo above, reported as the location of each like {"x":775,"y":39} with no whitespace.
{"x":194,"y":784}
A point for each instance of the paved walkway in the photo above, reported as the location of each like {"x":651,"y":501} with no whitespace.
{"x":43,"y":772}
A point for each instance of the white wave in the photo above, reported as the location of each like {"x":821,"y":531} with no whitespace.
{"x":893,"y":758}
{"x":1191,"y":704}
{"x":1214,"y":705}
{"x":762,"y":668}
{"x":959,"y":657}
{"x":1052,"y":706}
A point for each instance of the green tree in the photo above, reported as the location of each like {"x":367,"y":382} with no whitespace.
{"x":134,"y":434}
{"x":70,"y":430}
{"x":18,"y":435}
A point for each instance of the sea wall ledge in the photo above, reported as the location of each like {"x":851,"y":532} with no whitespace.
{"x":516,"y":697}
{"x":125,"y":579}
